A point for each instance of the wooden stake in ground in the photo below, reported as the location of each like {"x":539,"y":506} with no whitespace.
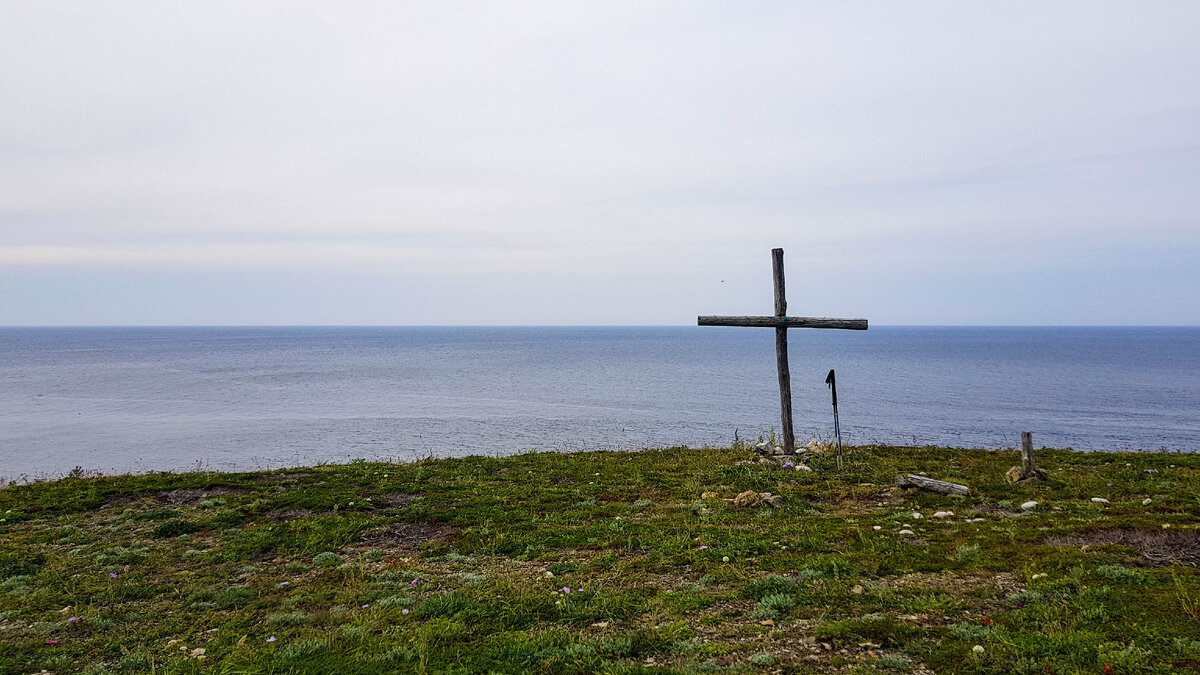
{"x":781,"y":322}
{"x":1027,"y":472}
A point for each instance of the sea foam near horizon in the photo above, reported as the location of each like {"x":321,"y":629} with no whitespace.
{"x":140,"y":399}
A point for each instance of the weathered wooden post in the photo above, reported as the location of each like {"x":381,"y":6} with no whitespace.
{"x":781,"y":354}
{"x":781,"y":322}
{"x":1027,"y":452}
{"x":1027,"y":472}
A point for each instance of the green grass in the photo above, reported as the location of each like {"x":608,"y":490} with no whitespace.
{"x":608,"y":562}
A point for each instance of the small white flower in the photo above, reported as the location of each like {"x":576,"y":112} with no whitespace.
{"x":725,"y":558}
{"x":978,"y":649}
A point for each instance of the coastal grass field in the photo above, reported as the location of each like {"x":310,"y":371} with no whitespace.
{"x":609,"y":562}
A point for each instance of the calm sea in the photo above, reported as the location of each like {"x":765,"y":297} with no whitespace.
{"x":138,"y":399}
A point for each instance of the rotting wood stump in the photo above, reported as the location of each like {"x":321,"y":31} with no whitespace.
{"x":1027,"y":473}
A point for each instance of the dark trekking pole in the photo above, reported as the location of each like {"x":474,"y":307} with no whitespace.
{"x":831,"y":380}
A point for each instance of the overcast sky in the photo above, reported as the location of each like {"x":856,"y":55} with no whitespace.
{"x":598,"y":163}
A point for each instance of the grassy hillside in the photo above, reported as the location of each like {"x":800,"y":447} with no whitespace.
{"x":609,"y":562}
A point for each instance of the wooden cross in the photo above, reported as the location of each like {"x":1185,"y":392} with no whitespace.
{"x":781,"y":322}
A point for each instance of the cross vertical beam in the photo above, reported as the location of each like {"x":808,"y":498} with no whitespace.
{"x":781,"y":354}
{"x":781,"y":322}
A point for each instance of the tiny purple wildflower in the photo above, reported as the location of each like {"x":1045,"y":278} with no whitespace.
{"x":113,"y":575}
{"x":703,"y":548}
{"x":788,"y":465}
{"x":404,"y":611}
{"x":74,"y":618}
{"x":1151,"y":471}
{"x":51,"y":642}
{"x":414,"y":582}
{"x":366,"y":606}
{"x":271,"y":639}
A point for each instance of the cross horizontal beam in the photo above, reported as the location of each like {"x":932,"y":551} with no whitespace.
{"x":782,"y":322}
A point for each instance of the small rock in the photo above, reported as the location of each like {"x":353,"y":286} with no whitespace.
{"x":857,"y":590}
{"x":917,"y":516}
{"x":775,"y":501}
{"x":974,"y":520}
{"x":944,"y":514}
{"x":905,"y":532}
{"x":779,"y":449}
{"x":748,"y":498}
{"x":1021,"y":476}
{"x":1099,"y":500}
{"x":1028,"y":506}
{"x":768,"y":622}
{"x":803,"y":467}
{"x":708,"y":495}
{"x":877,"y":527}
{"x":602,"y":624}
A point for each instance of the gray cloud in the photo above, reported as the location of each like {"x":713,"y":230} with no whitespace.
{"x":415,"y":157}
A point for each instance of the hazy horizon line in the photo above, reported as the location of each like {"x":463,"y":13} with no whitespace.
{"x":572,"y":325}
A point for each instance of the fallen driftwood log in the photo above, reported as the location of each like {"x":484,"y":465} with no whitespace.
{"x":907,"y":480}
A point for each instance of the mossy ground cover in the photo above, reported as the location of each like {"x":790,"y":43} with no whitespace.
{"x":609,"y":562}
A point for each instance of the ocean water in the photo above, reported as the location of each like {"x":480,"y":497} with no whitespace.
{"x":139,"y":399}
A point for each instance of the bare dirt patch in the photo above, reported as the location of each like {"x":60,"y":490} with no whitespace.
{"x":1002,"y":582}
{"x":399,"y":499}
{"x":407,"y":534}
{"x":180,"y":496}
{"x":858,"y":504}
{"x":289,"y":514}
{"x":1157,"y":547}
{"x":192,"y":495}
{"x":277,"y":477}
